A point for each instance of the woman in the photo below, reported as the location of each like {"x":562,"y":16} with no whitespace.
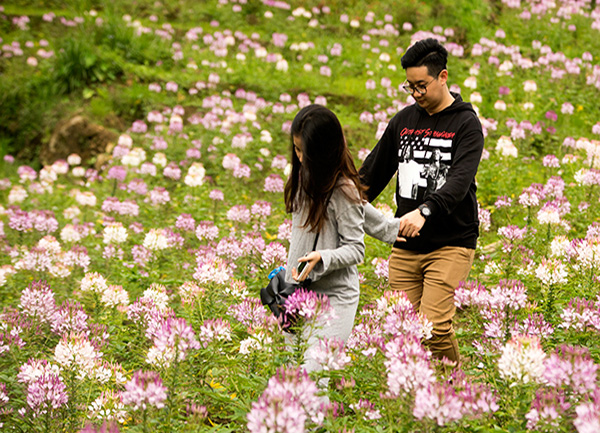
{"x":325,"y":196}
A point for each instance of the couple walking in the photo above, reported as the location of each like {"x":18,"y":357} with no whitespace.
{"x":434,"y":146}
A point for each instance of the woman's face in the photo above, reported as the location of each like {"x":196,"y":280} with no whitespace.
{"x":298,"y":147}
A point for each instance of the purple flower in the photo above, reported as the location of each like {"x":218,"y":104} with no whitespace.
{"x":534,"y":324}
{"x":408,"y":365}
{"x":551,"y":115}
{"x":211,"y":330}
{"x":273,"y":183}
{"x":273,"y":255}
{"x":159,"y":196}
{"x":145,"y":389}
{"x":571,"y":367}
{"x":172,"y":342}
{"x":139,"y":126}
{"x":250,"y":313}
{"x":37,"y":300}
{"x":503,"y":201}
{"x":261,"y":209}
{"x":239,"y":213}
{"x":138,"y":186}
{"x":70,"y":316}
{"x":330,"y":354}
{"x":111,"y":427}
{"x":216,"y":195}
{"x":588,"y":418}
{"x":207,"y":230}
{"x":546,"y":410}
{"x":19,"y":220}
{"x":532,"y":195}
{"x":117,"y":172}
{"x":512,"y":233}
{"x":185,"y":222}
{"x":289,"y":402}
{"x":47,"y":392}
{"x":172,"y":171}
{"x":3,"y":395}
{"x":438,"y":402}
{"x":141,"y":255}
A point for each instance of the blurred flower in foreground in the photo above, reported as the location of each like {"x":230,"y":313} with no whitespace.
{"x":522,"y":360}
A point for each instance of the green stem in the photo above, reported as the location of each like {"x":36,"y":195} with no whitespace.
{"x":145,"y":420}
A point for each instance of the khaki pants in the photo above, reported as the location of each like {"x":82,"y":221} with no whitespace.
{"x":429,"y":280}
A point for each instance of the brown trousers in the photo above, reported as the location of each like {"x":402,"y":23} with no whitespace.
{"x":429,"y":281}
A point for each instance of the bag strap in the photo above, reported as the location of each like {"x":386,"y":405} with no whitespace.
{"x":316,"y":240}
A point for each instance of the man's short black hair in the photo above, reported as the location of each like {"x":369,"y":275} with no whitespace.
{"x":427,"y":52}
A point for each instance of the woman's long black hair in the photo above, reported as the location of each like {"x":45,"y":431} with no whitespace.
{"x":325,"y":161}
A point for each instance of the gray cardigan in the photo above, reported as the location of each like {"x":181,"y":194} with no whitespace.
{"x":341,"y":244}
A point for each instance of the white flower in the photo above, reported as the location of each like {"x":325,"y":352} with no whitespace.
{"x":471,"y":82}
{"x":159,"y":159}
{"x":135,"y":157}
{"x":522,"y":360}
{"x":506,"y":147}
{"x":158,"y":294}
{"x":552,"y":272}
{"x":74,"y":159}
{"x":156,"y":240}
{"x":86,"y":198}
{"x":530,"y":86}
{"x":195,"y":176}
{"x":17,"y":194}
{"x":76,"y":351}
{"x":114,"y":296}
{"x":93,"y":282}
{"x":115,"y":233}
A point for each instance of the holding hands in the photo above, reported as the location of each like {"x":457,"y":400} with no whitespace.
{"x":410,"y":225}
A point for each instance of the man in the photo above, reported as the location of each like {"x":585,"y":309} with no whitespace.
{"x":439,"y":225}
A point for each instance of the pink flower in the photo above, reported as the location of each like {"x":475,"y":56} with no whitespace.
{"x":274,"y":254}
{"x":289,"y":402}
{"x":37,"y":300}
{"x":216,"y":195}
{"x":145,"y":389}
{"x":239,"y":213}
{"x":47,"y":393}
{"x":172,"y":342}
{"x":408,"y":365}
{"x":274,"y":183}
{"x":214,"y":330}
{"x":185,"y":222}
{"x":573,"y":368}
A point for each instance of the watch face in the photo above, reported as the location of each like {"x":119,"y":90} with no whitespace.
{"x":425,"y":211}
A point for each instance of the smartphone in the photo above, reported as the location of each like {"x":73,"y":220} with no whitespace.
{"x":301,"y":268}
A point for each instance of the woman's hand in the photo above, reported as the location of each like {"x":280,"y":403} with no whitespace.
{"x":311,"y":260}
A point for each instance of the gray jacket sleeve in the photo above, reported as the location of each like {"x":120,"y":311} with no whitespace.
{"x":379,"y":227}
{"x":351,"y":247}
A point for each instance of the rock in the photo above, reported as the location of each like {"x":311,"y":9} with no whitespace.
{"x":77,"y":135}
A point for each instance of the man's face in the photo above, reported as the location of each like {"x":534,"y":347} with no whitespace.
{"x":418,"y":76}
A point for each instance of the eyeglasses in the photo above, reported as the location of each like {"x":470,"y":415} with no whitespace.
{"x":419,"y":88}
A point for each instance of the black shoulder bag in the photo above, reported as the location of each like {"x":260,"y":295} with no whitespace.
{"x":278,"y":290}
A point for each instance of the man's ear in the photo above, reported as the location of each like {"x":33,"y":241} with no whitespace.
{"x":443,"y":77}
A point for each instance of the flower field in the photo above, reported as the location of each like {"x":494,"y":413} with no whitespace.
{"x":129,"y":278}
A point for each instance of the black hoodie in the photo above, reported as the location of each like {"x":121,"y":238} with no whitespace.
{"x":436,"y":158}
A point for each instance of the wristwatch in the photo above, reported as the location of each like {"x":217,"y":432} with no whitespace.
{"x":424,"y":210}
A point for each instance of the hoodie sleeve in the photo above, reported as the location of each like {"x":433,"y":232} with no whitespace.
{"x":381,"y":164}
{"x":467,"y":154}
